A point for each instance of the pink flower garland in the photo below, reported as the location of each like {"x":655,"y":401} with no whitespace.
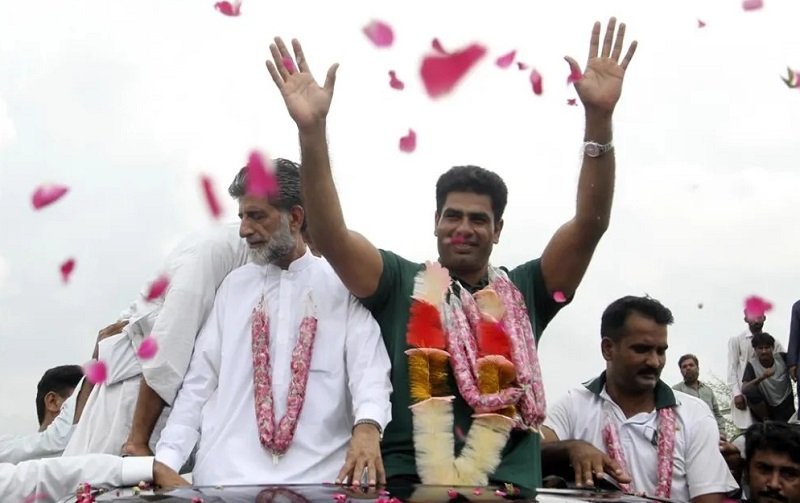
{"x":666,"y":449}
{"x":278,"y":441}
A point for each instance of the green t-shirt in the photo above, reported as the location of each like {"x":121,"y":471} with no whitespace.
{"x":390,"y":304}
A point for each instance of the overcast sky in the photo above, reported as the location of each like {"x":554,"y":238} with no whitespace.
{"x":129,"y":102}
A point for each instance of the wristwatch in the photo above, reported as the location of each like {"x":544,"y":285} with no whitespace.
{"x":594,"y":149}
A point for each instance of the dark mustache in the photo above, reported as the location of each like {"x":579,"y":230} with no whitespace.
{"x":649,"y":372}
{"x":773,"y":495}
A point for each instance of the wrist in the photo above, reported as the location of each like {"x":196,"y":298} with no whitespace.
{"x":312,"y":130}
{"x":598,"y":127}
{"x":368,"y":425}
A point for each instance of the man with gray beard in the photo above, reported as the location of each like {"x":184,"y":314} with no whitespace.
{"x":289,"y":380}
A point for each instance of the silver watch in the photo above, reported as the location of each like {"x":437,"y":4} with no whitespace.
{"x":594,"y":149}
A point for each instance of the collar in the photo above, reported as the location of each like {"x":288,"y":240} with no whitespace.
{"x":664,"y":395}
{"x":298,"y":264}
{"x":483,"y":283}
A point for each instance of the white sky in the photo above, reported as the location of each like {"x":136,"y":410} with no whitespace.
{"x":128,"y":102}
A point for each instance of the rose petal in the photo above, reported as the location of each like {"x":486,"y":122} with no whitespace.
{"x":36,"y":497}
{"x":45,"y":195}
{"x":148,"y":348}
{"x":408,"y":143}
{"x":500,"y":493}
{"x":211,"y":197}
{"x":394,"y":82}
{"x":437,"y":46}
{"x":701,"y":23}
{"x":452,"y":494}
{"x":157,"y":288}
{"x":440,"y":73}
{"x":288,"y":63}
{"x":261,"y":181}
{"x":506,"y":60}
{"x":574,"y":75}
{"x":460,"y":433}
{"x":522,"y":66}
{"x":752,"y":4}
{"x":458,"y":239}
{"x":755,"y":307}
{"x":536,"y":82}
{"x":559,"y":297}
{"x":379,"y":33}
{"x":66,"y":269}
{"x":95,"y":371}
{"x":229,"y":8}
{"x":572,"y":102}
{"x":477,"y":491}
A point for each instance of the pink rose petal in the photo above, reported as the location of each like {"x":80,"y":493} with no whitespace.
{"x":211,"y":197}
{"x":755,"y":307}
{"x":379,"y":33}
{"x":229,"y":8}
{"x":288,"y":63}
{"x":559,"y":297}
{"x":477,"y":491}
{"x":437,"y":46}
{"x":701,"y":23}
{"x":440,"y":73}
{"x":408,"y":143}
{"x":148,"y":348}
{"x":574,"y":75}
{"x":536,"y":82}
{"x":36,"y":497}
{"x":66,"y":269}
{"x":95,"y":372}
{"x":506,"y":60}
{"x":500,"y":493}
{"x":384,"y":492}
{"x":452,"y":494}
{"x":522,"y":66}
{"x":572,"y":102}
{"x":261,"y":181}
{"x":752,"y":4}
{"x":45,"y":195}
{"x":458,"y":239}
{"x":157,"y":288}
{"x":460,"y":433}
{"x":394,"y":82}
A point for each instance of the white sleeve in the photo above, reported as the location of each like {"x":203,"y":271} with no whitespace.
{"x":190,"y":297}
{"x":734,"y":376}
{"x":559,"y":418}
{"x":706,"y":469}
{"x":368,"y":366}
{"x":55,"y":478}
{"x":50,"y":442}
{"x":182,"y":430}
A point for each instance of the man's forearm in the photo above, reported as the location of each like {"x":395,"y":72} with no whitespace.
{"x":596,"y":181}
{"x":148,"y":408}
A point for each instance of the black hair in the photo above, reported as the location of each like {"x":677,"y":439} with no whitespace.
{"x":687,"y":356}
{"x":61,"y":381}
{"x":763,"y":339}
{"x":616,"y":314}
{"x":775,"y":436}
{"x":288,"y":175}
{"x":476,"y":180}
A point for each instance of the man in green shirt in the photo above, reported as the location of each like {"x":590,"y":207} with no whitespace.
{"x":691,"y":385}
{"x":470,"y":202}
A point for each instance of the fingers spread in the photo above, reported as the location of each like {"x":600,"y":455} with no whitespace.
{"x":595,"y":42}
{"x":629,"y":55}
{"x":618,"y":43}
{"x":612,"y":23}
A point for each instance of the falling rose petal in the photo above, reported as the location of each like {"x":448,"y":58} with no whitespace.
{"x":229,"y":8}
{"x":440,"y":73}
{"x":500,"y":493}
{"x":66,"y":269}
{"x":261,"y":181}
{"x":288,"y":63}
{"x":36,"y":497}
{"x":157,"y":288}
{"x":394,"y":82}
{"x":752,"y":4}
{"x":701,"y":23}
{"x":379,"y":33}
{"x":477,"y":491}
{"x":95,"y":371}
{"x":148,"y":348}
{"x":458,"y":239}
{"x":536,"y":82}
{"x":452,"y":494}
{"x":45,"y":195}
{"x":460,"y":434}
{"x":408,"y":143}
{"x":755,"y":307}
{"x":437,"y":46}
{"x":505,"y":60}
{"x":211,"y":197}
{"x":522,"y":66}
{"x":792,"y":79}
{"x":384,"y":492}
{"x":559,"y":297}
{"x":574,"y":75}
{"x":572,"y":102}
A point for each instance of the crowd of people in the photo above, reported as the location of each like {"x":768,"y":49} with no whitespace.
{"x":283,"y":362}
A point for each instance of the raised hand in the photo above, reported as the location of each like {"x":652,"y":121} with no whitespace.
{"x":601,"y":85}
{"x":306,"y":102}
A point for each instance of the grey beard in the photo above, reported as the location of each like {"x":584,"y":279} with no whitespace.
{"x":279,"y":245}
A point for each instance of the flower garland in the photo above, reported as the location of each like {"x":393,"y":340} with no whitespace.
{"x":278,"y":441}
{"x":488,"y":342}
{"x":666,"y":448}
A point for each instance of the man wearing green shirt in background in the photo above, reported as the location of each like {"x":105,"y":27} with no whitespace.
{"x":468,"y":221}
{"x":691,"y":385}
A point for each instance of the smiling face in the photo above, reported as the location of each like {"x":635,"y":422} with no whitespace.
{"x":466,"y":232}
{"x":634,"y":360}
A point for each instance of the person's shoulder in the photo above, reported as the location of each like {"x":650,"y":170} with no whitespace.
{"x":242,"y":273}
{"x":397,"y":261}
{"x":690,"y":407}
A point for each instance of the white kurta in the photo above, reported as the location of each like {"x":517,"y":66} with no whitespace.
{"x":50,"y":442}
{"x":740,"y":351}
{"x":348,"y":379}
{"x":195,"y":270}
{"x":55,"y":478}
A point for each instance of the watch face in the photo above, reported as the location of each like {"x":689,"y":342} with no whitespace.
{"x":592,"y":149}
